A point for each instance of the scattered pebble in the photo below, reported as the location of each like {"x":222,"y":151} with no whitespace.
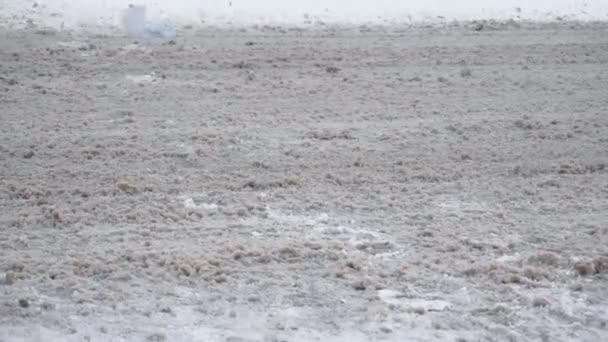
{"x":353,"y":265}
{"x":436,"y":326}
{"x":220,"y":279}
{"x":426,"y":233}
{"x":359,"y":285}
{"x":23,"y":303}
{"x":332,"y":70}
{"x":28,"y":154}
{"x":419,"y":310}
{"x":466,"y":72}
{"x":156,"y":337}
{"x":478,"y":27}
{"x":166,"y":310}
{"x":127,"y":188}
{"x":576,"y":287}
{"x":386,"y":329}
{"x":442,"y":79}
{"x":47,"y":306}
{"x":186,"y":270}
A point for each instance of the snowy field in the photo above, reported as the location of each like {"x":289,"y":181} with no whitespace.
{"x":335,"y":183}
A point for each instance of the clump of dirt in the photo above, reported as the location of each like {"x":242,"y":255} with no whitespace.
{"x":328,"y":135}
{"x":575,"y":168}
{"x":284,"y":183}
{"x":444,"y":80}
{"x":548,"y":259}
{"x":243,"y":65}
{"x":352,"y":265}
{"x":332,"y":70}
{"x":527,"y":125}
{"x":24,"y":303}
{"x":156,"y":337}
{"x":290,"y":254}
{"x":419,"y":310}
{"x":591,"y":267}
{"x":503,"y":274}
{"x":126,"y":188}
{"x":534,"y":274}
{"x":600,"y":264}
{"x":540,"y":302}
{"x":361,"y":284}
{"x":26,"y":192}
{"x":466,"y":72}
{"x":584,"y":268}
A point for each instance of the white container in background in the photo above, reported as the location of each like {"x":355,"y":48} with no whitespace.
{"x":139,"y":28}
{"x":136,"y":21}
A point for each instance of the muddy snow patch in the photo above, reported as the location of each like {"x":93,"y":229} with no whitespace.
{"x":141,"y":78}
{"x":455,"y":205}
{"x":310,"y":221}
{"x":406,"y":301}
{"x":196,"y":202}
{"x":70,"y":44}
{"x":363,"y":239}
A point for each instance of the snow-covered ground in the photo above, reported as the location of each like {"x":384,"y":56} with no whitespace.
{"x":304,"y":182}
{"x":329,"y":183}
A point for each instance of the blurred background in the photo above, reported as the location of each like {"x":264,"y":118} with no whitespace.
{"x":74,"y":13}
